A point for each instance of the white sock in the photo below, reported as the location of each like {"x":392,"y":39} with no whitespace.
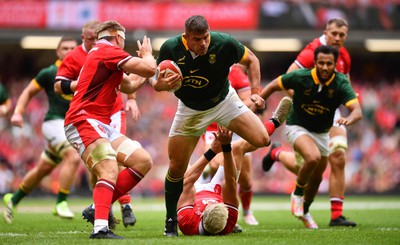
{"x":99,"y":224}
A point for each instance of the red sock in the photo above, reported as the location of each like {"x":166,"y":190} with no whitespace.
{"x":102,"y":196}
{"x":336,"y":207}
{"x":127,"y":179}
{"x":275,"y":152}
{"x":125,"y":199}
{"x":270,"y":126}
{"x":245,"y":197}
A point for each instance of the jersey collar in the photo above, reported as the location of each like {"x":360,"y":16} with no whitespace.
{"x":316,"y":80}
{"x":58,"y":63}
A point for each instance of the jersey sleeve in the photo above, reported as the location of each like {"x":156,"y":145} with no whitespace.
{"x":3,"y":94}
{"x":114,"y":57}
{"x":232,"y":220}
{"x":187,"y":220}
{"x":69,"y":69}
{"x":238,"y":79}
{"x":305,"y":59}
{"x":237,"y":49}
{"x":348,"y":95}
{"x":41,"y":78}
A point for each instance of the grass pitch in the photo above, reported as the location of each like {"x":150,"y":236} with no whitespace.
{"x":377,"y":217}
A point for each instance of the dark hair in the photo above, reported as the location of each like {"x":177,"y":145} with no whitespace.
{"x":326,"y":50}
{"x":196,"y":24}
{"x":66,"y":39}
{"x":338,"y":22}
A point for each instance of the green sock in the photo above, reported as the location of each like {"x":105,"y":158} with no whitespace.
{"x":299,"y":191}
{"x":172,"y":188}
{"x":62,"y":195}
{"x":17,"y":196}
{"x":307,"y":206}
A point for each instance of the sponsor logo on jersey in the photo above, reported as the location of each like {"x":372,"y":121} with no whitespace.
{"x":195,"y":81}
{"x":314,"y":110}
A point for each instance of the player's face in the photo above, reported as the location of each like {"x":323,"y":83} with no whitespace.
{"x":198,"y":43}
{"x":64,"y":48}
{"x":89,"y":38}
{"x":325,"y":65}
{"x":335,"y":36}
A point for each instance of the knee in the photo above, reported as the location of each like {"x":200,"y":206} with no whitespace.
{"x":176,"y":169}
{"x":72,"y":156}
{"x":313,"y":160}
{"x":337,"y":159}
{"x":261,"y":141}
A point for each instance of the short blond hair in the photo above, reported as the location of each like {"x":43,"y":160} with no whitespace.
{"x":215,"y":217}
{"x":90,"y":25}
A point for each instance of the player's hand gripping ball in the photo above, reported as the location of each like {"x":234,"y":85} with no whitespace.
{"x":170,"y":68}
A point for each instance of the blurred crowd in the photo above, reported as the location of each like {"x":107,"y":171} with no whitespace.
{"x":373,"y":155}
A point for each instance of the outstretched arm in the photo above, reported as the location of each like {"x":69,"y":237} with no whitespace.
{"x":229,"y":186}
{"x":270,"y":88}
{"x":31,"y":90}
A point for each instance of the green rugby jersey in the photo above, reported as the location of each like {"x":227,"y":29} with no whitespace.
{"x":3,"y":94}
{"x":45,"y":79}
{"x":205,"y":78}
{"x":314,"y":104}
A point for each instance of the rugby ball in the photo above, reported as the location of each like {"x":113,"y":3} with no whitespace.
{"x":170,"y":68}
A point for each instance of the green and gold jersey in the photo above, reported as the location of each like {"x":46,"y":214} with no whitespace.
{"x":45,"y":79}
{"x":3,"y":95}
{"x":314,"y":104}
{"x":205,"y":78}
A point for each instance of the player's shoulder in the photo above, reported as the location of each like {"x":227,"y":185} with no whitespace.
{"x":341,"y":78}
{"x":49,"y":69}
{"x":221,"y":37}
{"x":173,"y":41}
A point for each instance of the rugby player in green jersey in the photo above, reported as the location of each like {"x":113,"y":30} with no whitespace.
{"x":204,"y":57}
{"x":58,"y":151}
{"x":5,"y":102}
{"x":318,"y":92}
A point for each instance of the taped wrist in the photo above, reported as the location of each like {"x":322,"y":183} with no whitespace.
{"x":209,"y":155}
{"x":226,"y":148}
{"x":66,"y":87}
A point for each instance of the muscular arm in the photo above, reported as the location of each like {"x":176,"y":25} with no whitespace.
{"x":23,"y":101}
{"x":270,"y":88}
{"x":229,"y":187}
{"x":253,"y":71}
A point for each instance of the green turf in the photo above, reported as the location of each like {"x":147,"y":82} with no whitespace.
{"x":378,"y":221}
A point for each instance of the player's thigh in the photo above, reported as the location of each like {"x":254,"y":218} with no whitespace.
{"x":248,"y":126}
{"x":307,"y":148}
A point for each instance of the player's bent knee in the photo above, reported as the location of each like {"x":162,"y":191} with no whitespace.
{"x":101,"y":152}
